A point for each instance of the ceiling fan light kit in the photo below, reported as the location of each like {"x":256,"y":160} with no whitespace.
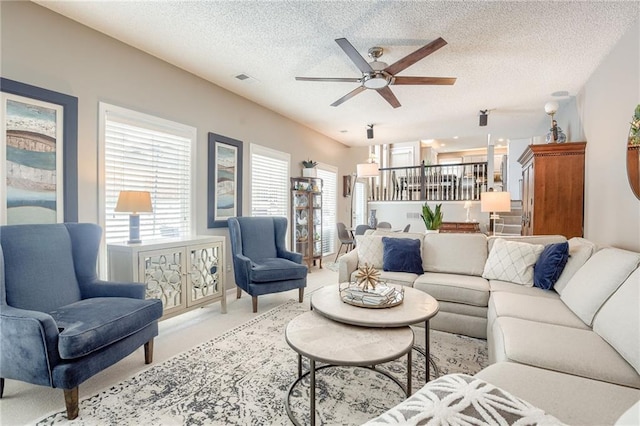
{"x":378,"y":76}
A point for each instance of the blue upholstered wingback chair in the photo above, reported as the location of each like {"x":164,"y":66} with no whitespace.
{"x":59,"y":324}
{"x":261,"y":262}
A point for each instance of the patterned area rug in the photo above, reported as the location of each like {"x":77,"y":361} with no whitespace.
{"x":242,"y":378}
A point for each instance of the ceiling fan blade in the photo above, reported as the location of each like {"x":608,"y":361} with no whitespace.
{"x":388,"y":95}
{"x":414,"y":57}
{"x":441,"y":81}
{"x":349,"y":95}
{"x":353,"y":54}
{"x":333,"y":80}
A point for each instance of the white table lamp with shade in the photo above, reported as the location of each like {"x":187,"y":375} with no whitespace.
{"x":493,"y":202}
{"x":134,"y":202}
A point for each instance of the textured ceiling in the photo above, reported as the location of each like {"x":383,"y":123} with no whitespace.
{"x":508,"y":57}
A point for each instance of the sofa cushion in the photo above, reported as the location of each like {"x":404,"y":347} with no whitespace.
{"x":618,"y":321}
{"x":401,"y":255}
{"x":497,"y":285}
{"x":454,"y":288}
{"x":565,"y":349}
{"x":457,"y":398}
{"x":276,"y":269}
{"x":443,"y":252}
{"x":91,"y":324}
{"x":540,"y":309}
{"x":550,"y":264}
{"x":401,"y":278}
{"x":580,"y":250}
{"x":598,"y":278}
{"x":572,"y":399}
{"x":512,"y":261}
{"x":529,"y":239}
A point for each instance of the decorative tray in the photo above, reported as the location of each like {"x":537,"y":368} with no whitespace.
{"x":382,"y":296}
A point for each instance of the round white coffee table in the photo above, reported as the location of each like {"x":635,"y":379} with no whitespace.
{"x":320,"y":339}
{"x":417,"y":307}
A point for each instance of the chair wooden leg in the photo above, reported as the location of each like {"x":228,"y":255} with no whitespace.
{"x":71,"y":401}
{"x":254,"y":302}
{"x":1,"y":387}
{"x":148,"y":352}
{"x":238,"y":292}
{"x":300,"y":294}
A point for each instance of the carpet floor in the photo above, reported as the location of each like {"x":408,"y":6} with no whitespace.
{"x":242,"y":377}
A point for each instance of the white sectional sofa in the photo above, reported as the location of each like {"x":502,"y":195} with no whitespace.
{"x":573,"y":352}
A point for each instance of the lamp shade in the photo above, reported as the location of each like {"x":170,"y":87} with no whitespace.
{"x":134,"y":202}
{"x":495,"y":201}
{"x":367,"y":170}
{"x":467,"y":204}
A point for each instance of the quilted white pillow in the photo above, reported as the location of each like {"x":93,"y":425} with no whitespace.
{"x":370,"y":250}
{"x":512,"y":261}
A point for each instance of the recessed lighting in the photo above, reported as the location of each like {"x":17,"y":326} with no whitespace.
{"x":442,"y":144}
{"x":501,"y":140}
{"x":456,"y":137}
{"x":428,"y":141}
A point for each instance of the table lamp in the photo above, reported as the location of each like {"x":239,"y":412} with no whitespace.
{"x":134,"y":202}
{"x":493,"y":202}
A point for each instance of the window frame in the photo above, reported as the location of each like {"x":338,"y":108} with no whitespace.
{"x":141,"y":119}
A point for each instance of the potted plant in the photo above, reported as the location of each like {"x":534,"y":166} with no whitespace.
{"x":309,"y":168}
{"x":432,"y":218}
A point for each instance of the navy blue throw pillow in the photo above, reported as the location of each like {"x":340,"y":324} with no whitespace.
{"x":401,"y":255}
{"x":550,"y":264}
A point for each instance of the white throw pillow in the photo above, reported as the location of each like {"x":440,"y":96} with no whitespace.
{"x":512,"y":261}
{"x":370,"y":250}
{"x":580,"y":250}
{"x":598,"y":278}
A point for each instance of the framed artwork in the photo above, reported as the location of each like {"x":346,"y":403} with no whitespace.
{"x":224,"y":190}
{"x":38,"y":155}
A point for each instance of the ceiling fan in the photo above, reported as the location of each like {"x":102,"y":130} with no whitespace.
{"x":378,"y":76}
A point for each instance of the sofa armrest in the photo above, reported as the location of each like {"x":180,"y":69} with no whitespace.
{"x":289,"y":255}
{"x":29,"y":345}
{"x":242,"y":270}
{"x":347,"y":264}
{"x":100,"y":288}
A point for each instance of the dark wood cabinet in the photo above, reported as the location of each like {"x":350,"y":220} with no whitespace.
{"x":553,"y":189}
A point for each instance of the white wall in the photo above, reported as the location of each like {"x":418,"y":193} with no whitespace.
{"x":605,"y":105}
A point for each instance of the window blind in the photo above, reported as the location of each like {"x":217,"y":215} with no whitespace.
{"x":269,"y":182}
{"x":329,"y":207}
{"x":147,"y":155}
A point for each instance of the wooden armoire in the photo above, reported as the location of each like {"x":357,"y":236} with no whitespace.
{"x":553,"y":189}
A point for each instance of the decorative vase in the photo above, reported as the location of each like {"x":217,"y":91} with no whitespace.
{"x":562,"y":138}
{"x":432,"y":231}
{"x":373,"y":222}
{"x":309,"y":172}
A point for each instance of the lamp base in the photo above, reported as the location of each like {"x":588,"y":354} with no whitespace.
{"x":134,"y":229}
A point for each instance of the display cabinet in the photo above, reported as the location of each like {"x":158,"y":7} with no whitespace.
{"x":306,"y":219}
{"x":183,"y":273}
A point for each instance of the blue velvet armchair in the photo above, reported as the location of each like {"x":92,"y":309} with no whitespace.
{"x":59,"y":324}
{"x":261,"y":262}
